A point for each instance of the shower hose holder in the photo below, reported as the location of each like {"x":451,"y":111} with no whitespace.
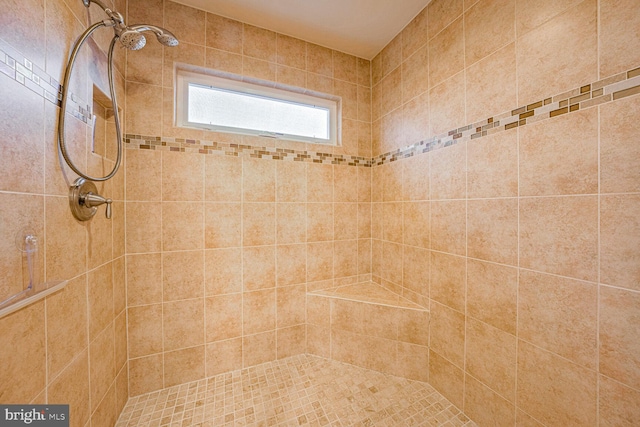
{"x":84,"y":200}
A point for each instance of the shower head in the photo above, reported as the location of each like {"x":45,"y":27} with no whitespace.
{"x":165,"y":37}
{"x":132,"y":40}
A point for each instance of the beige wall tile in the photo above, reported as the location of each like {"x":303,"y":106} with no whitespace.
{"x":144,"y":279}
{"x":22,"y":147}
{"x":103,"y":369}
{"x":492,"y":230}
{"x":446,"y":105}
{"x":25,"y":366}
{"x":291,"y":52}
{"x":291,"y":264}
{"x":259,"y":266}
{"x":415,"y":173}
{"x":66,"y":324}
{"x":291,"y":182}
{"x":488,"y":26}
{"x":492,"y":294}
{"x":491,"y":358}
{"x":413,"y":326}
{"x":223,"y":356}
{"x":619,"y":236}
{"x":619,"y":335}
{"x":143,"y":227}
{"x":347,"y":222}
{"x":442,"y":13}
{"x":617,"y":404}
{"x":530,"y":15}
{"x":618,"y":123}
{"x":182,"y":226}
{"x":618,"y":47}
{"x":186,"y":23}
{"x":145,"y":337}
{"x":100,"y":299}
{"x":105,"y":414}
{"x":65,"y":241}
{"x":415,"y":270}
{"x":486,"y":407}
{"x":223,"y":225}
{"x":392,"y":222}
{"x":446,"y":378}
{"x":567,"y":163}
{"x":392,"y":55}
{"x":448,"y":226}
{"x":319,"y":60}
{"x":447,"y":333}
{"x":554,"y":390}
{"x":319,"y":222}
{"x":259,"y":348}
{"x":493,"y":166}
{"x":223,"y":33}
{"x":291,"y":341}
{"x":559,"y":315}
{"x":446,"y":52}
{"x":182,"y":275}
{"x":223,"y":179}
{"x":182,"y":176}
{"x":416,"y":119}
{"x":140,"y":62}
{"x":145,"y":374}
{"x":559,"y":55}
{"x":223,"y":61}
{"x":413,"y":362}
{"x":363,"y":68}
{"x":415,"y":34}
{"x":415,"y":74}
{"x":183,"y":324}
{"x":344,"y":67}
{"x":391,"y":95}
{"x":319,"y":340}
{"x":71,"y":388}
{"x":223,"y":271}
{"x":290,"y":307}
{"x":223,"y":317}
{"x":491,"y":84}
{"x":319,"y":261}
{"x":258,"y":224}
{"x":259,"y":311}
{"x":447,"y":283}
{"x":559,"y":235}
{"x":142,"y":167}
{"x":182,"y":366}
{"x":146,"y":119}
{"x":258,"y":180}
{"x":23,"y":27}
{"x":259,"y":43}
{"x":291,"y":223}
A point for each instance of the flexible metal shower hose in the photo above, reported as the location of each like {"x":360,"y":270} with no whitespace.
{"x":114,"y":103}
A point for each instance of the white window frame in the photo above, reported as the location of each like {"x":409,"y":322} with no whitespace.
{"x":184,"y":78}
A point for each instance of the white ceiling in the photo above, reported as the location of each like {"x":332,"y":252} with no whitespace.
{"x":358,"y":27}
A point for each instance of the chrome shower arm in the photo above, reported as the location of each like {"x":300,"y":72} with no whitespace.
{"x":114,"y":16}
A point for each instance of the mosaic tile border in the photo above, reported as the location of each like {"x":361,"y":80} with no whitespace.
{"x":239,"y":150}
{"x":603,"y":91}
{"x":15,"y":66}
{"x":20,"y":69}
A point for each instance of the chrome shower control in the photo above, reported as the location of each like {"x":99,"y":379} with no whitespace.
{"x":84,"y":200}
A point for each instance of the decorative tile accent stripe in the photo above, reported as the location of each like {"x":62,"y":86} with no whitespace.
{"x":603,"y":91}
{"x":238,"y":150}
{"x":14,"y":65}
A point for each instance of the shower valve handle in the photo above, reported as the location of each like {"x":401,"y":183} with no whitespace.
{"x":91,"y":200}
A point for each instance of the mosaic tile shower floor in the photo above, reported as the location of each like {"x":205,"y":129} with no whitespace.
{"x":298,"y":391}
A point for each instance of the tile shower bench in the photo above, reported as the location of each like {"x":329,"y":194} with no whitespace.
{"x":367,"y":325}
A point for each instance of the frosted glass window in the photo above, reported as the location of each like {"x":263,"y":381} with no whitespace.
{"x":239,"y":107}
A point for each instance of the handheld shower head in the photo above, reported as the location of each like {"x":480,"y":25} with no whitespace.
{"x":132,"y":39}
{"x":165,"y":37}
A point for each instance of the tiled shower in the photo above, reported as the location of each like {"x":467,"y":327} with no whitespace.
{"x":487,"y":179}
